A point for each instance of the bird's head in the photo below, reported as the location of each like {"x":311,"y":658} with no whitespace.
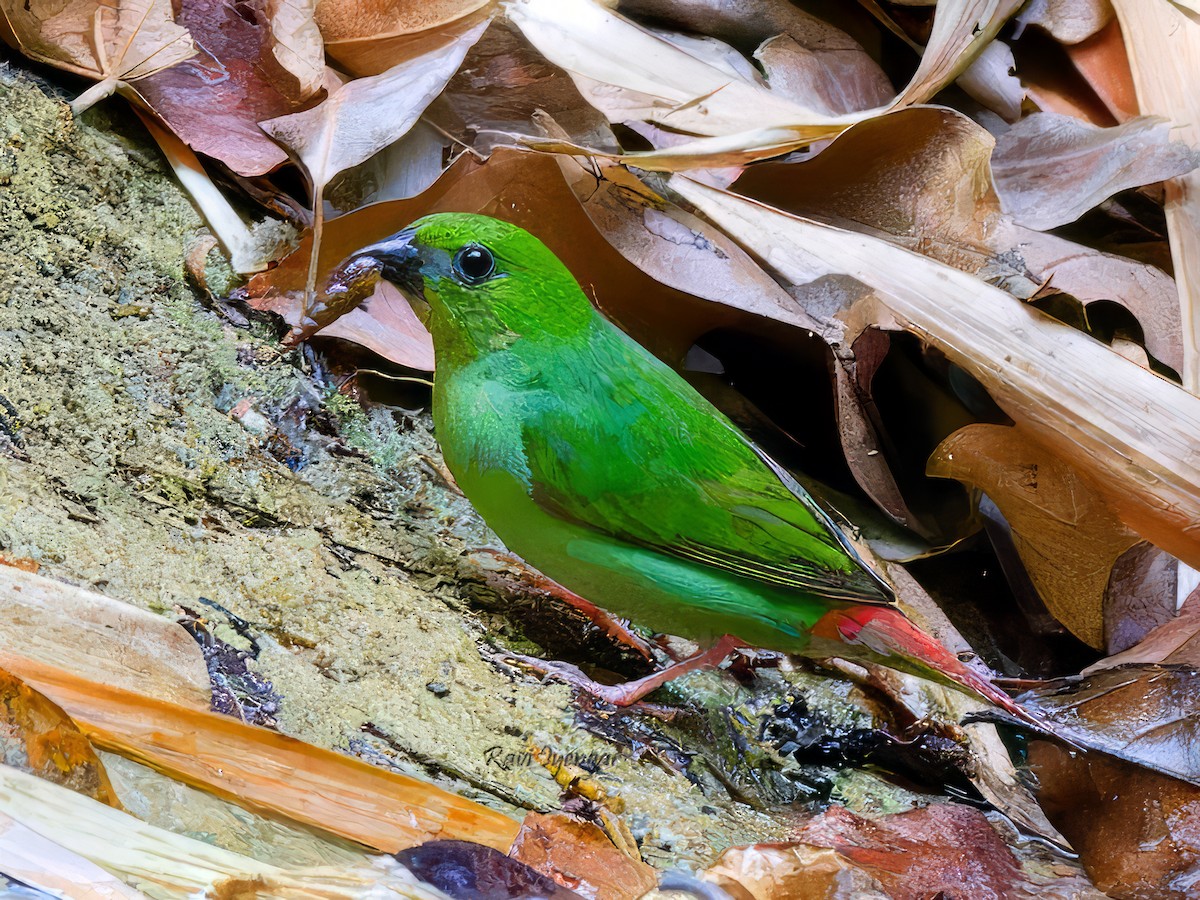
{"x":484,"y":282}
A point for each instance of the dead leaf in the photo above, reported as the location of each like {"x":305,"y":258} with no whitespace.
{"x":173,"y":865}
{"x":373,"y":54}
{"x":1051,"y":169}
{"x":1163,"y":44}
{"x":1103,"y":62}
{"x":263,"y":769}
{"x":781,"y":871}
{"x":297,"y":44}
{"x":39,"y":738}
{"x":348,"y":20}
{"x":462,"y":866}
{"x":1069,"y":21}
{"x":579,"y":856}
{"x":215,"y":100}
{"x":360,"y":119}
{"x":1067,"y":536}
{"x":1135,"y":830}
{"x":114,"y":43}
{"x":938,"y":850}
{"x":40,"y":863}
{"x":804,"y":58}
{"x":1141,"y":595}
{"x":990,"y":79}
{"x":100,"y":639}
{"x":503,"y":87}
{"x":1147,"y":471}
{"x":1175,"y":642}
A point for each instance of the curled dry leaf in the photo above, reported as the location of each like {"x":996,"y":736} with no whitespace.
{"x":1069,"y":391}
{"x":297,"y":44}
{"x":1050,"y":169}
{"x":114,"y":43}
{"x":805,"y":59}
{"x":922,"y":177}
{"x":1067,"y":536}
{"x":215,"y":101}
{"x":1163,"y":44}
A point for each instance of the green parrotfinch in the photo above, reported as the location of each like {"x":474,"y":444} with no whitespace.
{"x":603,"y":468}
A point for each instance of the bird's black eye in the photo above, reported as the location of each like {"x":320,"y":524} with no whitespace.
{"x":474,"y":264}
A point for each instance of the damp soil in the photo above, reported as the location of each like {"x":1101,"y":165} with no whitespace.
{"x":171,"y":456}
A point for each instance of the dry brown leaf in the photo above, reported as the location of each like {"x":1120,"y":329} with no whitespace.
{"x":578,"y":855}
{"x":1175,"y":642}
{"x":1142,"y":594}
{"x":942,"y":849}
{"x":100,"y":639}
{"x":922,"y":177}
{"x":361,"y":118}
{"x":1071,"y":392}
{"x":782,"y":871}
{"x":348,"y":20}
{"x":1135,"y":830}
{"x":114,"y":43}
{"x":1102,"y":61}
{"x":38,"y":737}
{"x":215,"y":101}
{"x":373,"y":55}
{"x":520,"y":88}
{"x":1163,"y":44}
{"x":804,"y":58}
{"x":1051,"y":169}
{"x":1067,"y":536}
{"x":296,"y":42}
{"x":739,"y":122}
{"x":263,"y":769}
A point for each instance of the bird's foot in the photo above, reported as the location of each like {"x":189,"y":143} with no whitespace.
{"x":631,"y":691}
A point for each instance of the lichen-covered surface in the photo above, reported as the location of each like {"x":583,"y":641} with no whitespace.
{"x":167,"y":455}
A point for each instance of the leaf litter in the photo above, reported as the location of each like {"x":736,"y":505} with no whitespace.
{"x":834,"y":221}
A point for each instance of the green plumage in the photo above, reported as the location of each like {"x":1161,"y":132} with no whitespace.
{"x":602,"y":467}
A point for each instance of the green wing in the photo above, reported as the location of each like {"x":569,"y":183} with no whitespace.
{"x":629,"y":449}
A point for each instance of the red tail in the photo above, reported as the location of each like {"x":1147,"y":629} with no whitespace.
{"x":890,"y":635}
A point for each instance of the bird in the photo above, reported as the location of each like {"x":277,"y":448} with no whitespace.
{"x":605,"y":470}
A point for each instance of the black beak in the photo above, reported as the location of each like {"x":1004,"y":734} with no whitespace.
{"x":398,"y":261}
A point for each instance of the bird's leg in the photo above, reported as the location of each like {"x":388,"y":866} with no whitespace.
{"x":632,"y":691}
{"x":529,"y":579}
